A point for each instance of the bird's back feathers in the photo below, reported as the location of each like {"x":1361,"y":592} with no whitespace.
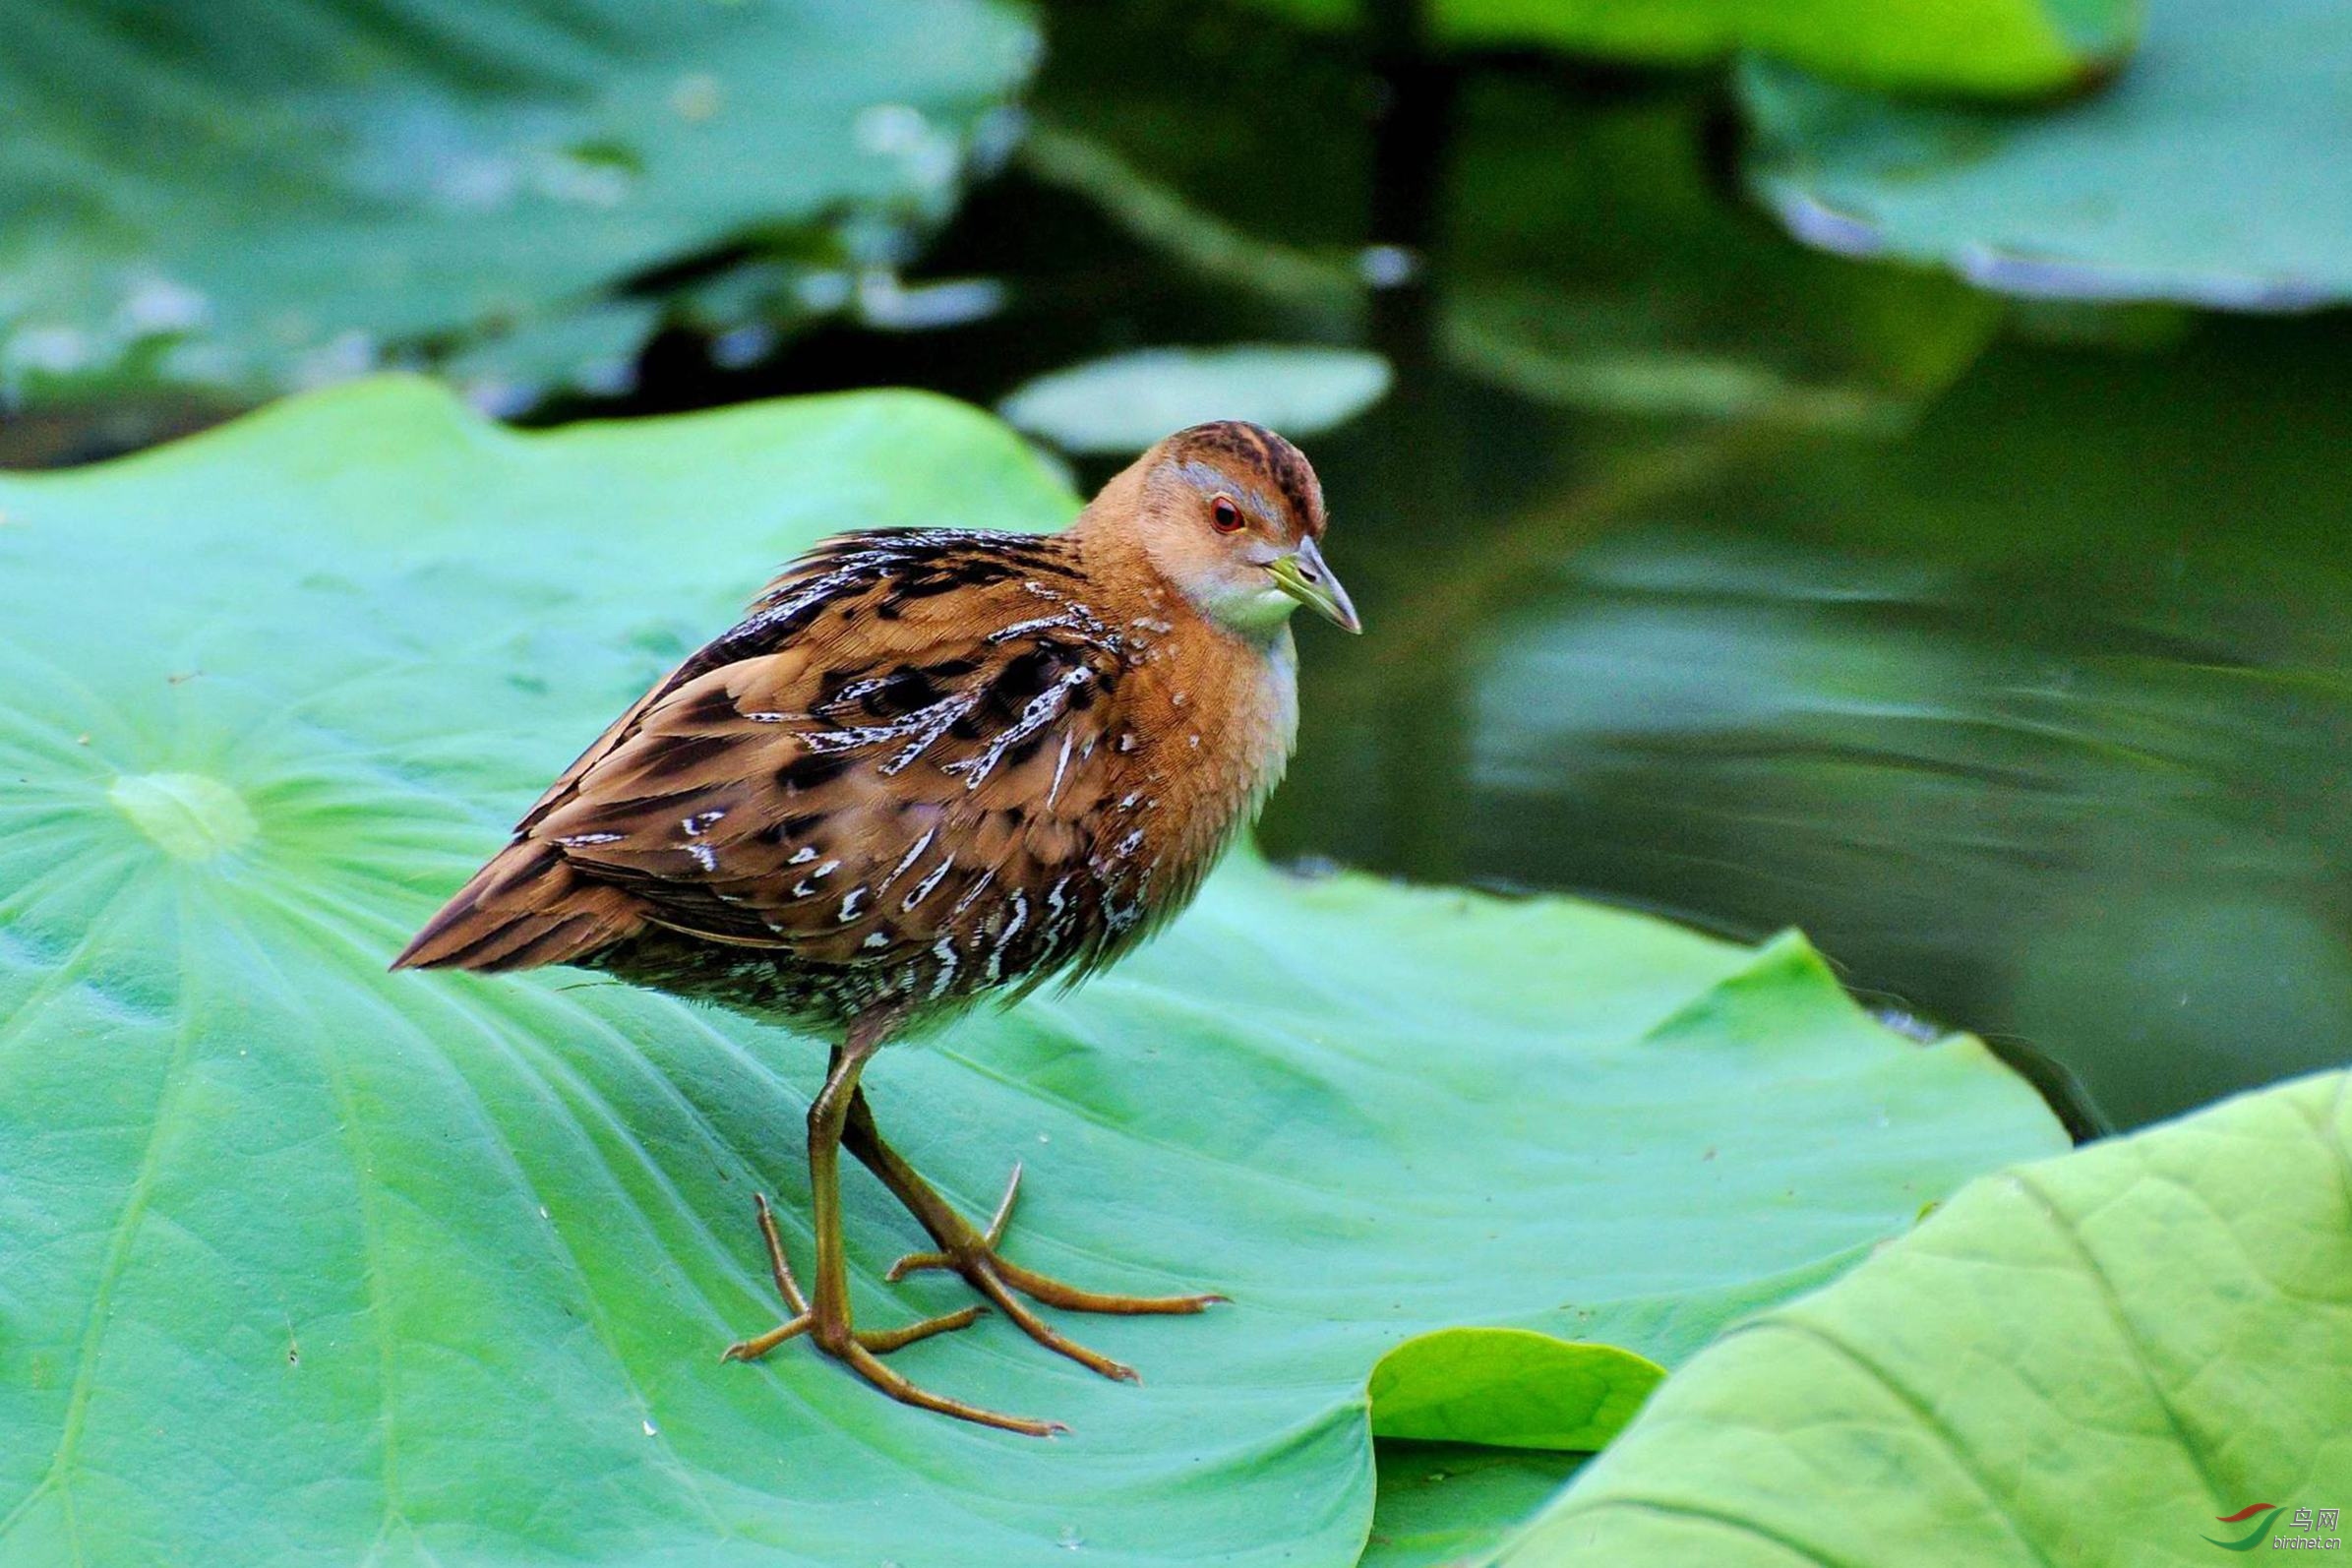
{"x":927,"y":763}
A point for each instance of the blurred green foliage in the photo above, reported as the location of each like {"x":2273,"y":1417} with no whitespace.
{"x":2001,"y":49}
{"x":1575,"y":248}
{"x":246,"y":197}
{"x":2210,"y":172}
{"x":1582,"y":256}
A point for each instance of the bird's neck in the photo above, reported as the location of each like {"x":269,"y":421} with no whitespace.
{"x":1212,"y":711}
{"x":1218,"y":713}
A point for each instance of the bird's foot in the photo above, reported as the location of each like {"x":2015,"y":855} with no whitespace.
{"x":974,"y":1255}
{"x":862,"y":1350}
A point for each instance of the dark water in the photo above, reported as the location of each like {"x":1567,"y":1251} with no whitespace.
{"x":2002,"y":649}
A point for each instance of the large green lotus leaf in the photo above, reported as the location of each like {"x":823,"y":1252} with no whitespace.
{"x":305,"y":1258}
{"x":2211,"y":172}
{"x":2093,"y":1361}
{"x":257,"y":194}
{"x":1998,"y":47}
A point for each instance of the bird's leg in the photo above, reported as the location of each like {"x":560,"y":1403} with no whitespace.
{"x":973,"y":1253}
{"x":824,"y":1315}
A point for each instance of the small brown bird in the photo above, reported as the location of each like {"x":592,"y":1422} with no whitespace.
{"x":929,"y":765}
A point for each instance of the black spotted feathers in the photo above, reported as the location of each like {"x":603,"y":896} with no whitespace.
{"x":901,"y":780}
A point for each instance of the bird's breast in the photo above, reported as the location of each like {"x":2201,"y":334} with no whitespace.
{"x":1214,"y":721}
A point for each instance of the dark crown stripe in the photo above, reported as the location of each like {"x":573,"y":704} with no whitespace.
{"x":1259,"y":451}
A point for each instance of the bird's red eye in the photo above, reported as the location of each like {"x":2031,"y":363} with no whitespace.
{"x":1226,"y":514}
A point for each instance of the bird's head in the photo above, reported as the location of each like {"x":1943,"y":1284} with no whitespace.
{"x":1231,"y":514}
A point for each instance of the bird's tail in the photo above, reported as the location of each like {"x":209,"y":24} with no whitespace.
{"x":527,"y":907}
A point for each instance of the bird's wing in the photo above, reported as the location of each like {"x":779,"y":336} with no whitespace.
{"x":904,"y":755}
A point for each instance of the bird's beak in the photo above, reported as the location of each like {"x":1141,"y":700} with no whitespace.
{"x":1305,"y":578}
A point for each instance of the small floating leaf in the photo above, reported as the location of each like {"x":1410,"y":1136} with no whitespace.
{"x":1127,"y":401}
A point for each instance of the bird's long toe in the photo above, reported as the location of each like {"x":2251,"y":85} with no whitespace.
{"x":868,"y":1366}
{"x":976,"y":1258}
{"x":1072,"y":1299}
